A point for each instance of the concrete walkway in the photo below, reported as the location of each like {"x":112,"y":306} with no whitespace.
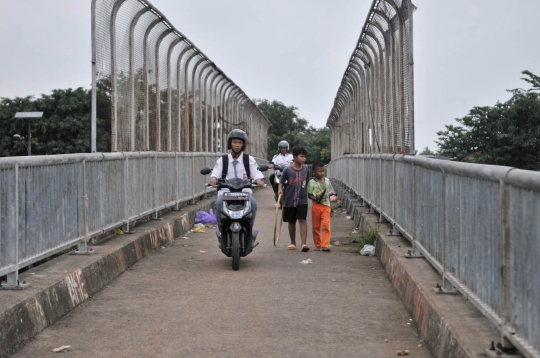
{"x":184,"y":300}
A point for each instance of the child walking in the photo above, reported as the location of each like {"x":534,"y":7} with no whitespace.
{"x":319,"y":190}
{"x":295,"y":203}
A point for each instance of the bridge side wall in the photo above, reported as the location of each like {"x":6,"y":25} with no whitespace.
{"x":51,"y":203}
{"x":475,"y":224}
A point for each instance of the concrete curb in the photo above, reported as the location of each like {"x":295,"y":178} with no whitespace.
{"x":60,"y":285}
{"x":449,"y":325}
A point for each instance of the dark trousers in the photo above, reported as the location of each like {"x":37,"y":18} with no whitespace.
{"x":275,"y":186}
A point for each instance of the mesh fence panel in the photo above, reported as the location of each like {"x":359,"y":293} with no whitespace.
{"x":162,"y":90}
{"x":373,"y":109}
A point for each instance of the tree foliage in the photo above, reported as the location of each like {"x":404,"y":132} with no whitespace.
{"x":505,"y":134}
{"x":426,"y":151}
{"x":64,"y":127}
{"x":287,"y":125}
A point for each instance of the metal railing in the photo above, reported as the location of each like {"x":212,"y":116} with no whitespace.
{"x":51,"y":203}
{"x":476,"y":224}
{"x":165,"y":93}
{"x":373,"y":110}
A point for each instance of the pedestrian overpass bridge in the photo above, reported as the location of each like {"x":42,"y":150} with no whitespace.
{"x":476,"y":225}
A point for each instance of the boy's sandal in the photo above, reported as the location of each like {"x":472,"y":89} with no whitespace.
{"x":326,"y":249}
{"x":291,"y":247}
{"x":305,"y":248}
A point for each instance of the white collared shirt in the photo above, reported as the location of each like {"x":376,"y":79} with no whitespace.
{"x":240,"y":170}
{"x":286,"y":159}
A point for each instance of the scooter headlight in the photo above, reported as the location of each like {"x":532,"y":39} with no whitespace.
{"x":236,"y":211}
{"x":225,"y":208}
{"x":247,"y":208}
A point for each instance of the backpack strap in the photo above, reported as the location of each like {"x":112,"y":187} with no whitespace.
{"x":246,"y":165}
{"x":225,"y":165}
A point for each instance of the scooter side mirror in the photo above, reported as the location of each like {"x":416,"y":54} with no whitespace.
{"x":206,"y":171}
{"x":263,"y":168}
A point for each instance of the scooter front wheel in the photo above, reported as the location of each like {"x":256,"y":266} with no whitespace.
{"x":235,"y":251}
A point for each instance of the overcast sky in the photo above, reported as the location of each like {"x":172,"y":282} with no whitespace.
{"x":467,"y":53}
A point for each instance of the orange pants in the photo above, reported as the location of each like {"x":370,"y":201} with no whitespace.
{"x":320,"y":220}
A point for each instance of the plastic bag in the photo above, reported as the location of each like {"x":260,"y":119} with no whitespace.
{"x":199,"y":229}
{"x":368,"y":250}
{"x":203,"y":217}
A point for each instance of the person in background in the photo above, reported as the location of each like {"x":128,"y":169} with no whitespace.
{"x":281,"y":159}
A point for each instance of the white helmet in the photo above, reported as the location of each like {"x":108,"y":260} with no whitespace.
{"x":283,"y":144}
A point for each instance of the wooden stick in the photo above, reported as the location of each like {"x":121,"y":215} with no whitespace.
{"x":277,"y":234}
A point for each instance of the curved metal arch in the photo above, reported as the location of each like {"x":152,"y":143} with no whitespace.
{"x":222,"y":82}
{"x":396,"y":9}
{"x":213,"y":118}
{"x":197,"y":104}
{"x":132,"y":26}
{"x":393,"y":66}
{"x":191,"y":104}
{"x":179,"y":87}
{"x":241,"y":108}
{"x":114,"y":94}
{"x":383,"y":92}
{"x":359,"y":76}
{"x":172,"y":46}
{"x":161,"y":37}
{"x":232,"y":97}
{"x":397,"y":89}
{"x":186,"y":119}
{"x":224,"y":96}
{"x":146,"y":86}
{"x":207,"y":89}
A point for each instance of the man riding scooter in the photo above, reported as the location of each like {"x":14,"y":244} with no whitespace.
{"x":279,"y":162}
{"x":237,"y":165}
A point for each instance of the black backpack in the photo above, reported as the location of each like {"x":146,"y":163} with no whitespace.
{"x":225,"y":162}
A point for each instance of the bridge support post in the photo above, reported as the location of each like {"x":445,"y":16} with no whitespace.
{"x":82,"y":249}
{"x":395,"y":231}
{"x":13,"y":282}
{"x":446,"y":288}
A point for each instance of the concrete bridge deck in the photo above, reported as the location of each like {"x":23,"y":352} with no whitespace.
{"x":178,"y":296}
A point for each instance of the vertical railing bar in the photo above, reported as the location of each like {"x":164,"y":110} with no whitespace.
{"x":505,"y":277}
{"x":13,"y":277}
{"x":155,"y":188}
{"x":126,"y":204}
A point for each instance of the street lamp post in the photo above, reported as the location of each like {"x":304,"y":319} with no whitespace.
{"x":28,"y":116}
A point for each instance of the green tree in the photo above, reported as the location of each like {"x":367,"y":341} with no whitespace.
{"x":10,"y":126}
{"x":317,"y":144}
{"x":65,"y":126}
{"x":505,"y":134}
{"x":287,"y":125}
{"x":426,"y":151}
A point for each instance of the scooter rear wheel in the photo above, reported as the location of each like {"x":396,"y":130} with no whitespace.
{"x":235,"y":251}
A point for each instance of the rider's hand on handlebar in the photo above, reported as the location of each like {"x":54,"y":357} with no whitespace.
{"x":213,"y":181}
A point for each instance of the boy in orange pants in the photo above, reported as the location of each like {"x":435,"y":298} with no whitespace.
{"x":319,"y":190}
